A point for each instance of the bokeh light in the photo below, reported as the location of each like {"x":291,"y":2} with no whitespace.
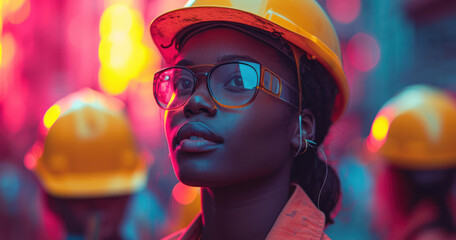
{"x":1,"y":18}
{"x":344,"y":11}
{"x":1,"y":32}
{"x":380,"y":127}
{"x":112,"y":82}
{"x":9,"y":49}
{"x":363,"y":52}
{"x":19,"y":14}
{"x":35,"y":152}
{"x":122,"y":54}
{"x":184,"y":194}
{"x":12,"y":5}
{"x":1,"y":51}
{"x":51,"y":115}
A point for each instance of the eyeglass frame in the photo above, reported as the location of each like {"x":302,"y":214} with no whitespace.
{"x":259,"y":86}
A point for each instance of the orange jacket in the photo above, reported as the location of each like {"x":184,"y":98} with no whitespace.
{"x":299,"y":219}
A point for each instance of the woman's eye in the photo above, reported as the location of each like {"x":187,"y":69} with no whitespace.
{"x":183,"y":84}
{"x":235,"y":83}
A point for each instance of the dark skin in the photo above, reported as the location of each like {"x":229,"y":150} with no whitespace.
{"x":245,"y":180}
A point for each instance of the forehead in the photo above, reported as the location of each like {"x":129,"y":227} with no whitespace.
{"x":215,"y":44}
{"x":223,"y":44}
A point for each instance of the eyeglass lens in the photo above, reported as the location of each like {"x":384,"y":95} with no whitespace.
{"x":231,"y":84}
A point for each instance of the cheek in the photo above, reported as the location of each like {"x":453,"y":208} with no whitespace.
{"x":261,"y":136}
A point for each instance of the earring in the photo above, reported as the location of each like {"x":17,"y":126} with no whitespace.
{"x":300,"y":146}
{"x":300,"y":138}
{"x":305,"y":149}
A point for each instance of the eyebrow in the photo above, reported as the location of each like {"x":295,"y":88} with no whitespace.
{"x":184,"y":62}
{"x":226,"y":58}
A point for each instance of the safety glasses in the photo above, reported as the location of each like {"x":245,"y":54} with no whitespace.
{"x":232,"y":84}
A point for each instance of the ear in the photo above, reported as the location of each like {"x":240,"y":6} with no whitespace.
{"x":307,"y":129}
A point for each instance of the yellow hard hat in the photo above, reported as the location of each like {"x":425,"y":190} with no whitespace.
{"x":417,"y":129}
{"x":90,"y":150}
{"x":301,"y":22}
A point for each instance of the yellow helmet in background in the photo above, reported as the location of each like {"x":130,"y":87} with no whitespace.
{"x":417,"y":129}
{"x":300,"y":22}
{"x":90,"y":150}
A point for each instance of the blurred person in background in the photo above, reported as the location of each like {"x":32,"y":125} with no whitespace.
{"x":414,"y":138}
{"x":250,"y":93}
{"x":20,"y":212}
{"x":90,"y":168}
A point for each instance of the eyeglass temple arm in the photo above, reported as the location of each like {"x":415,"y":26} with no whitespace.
{"x":289,"y":93}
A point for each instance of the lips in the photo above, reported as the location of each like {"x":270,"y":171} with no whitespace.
{"x":196,"y":137}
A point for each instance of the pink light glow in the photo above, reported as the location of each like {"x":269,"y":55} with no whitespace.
{"x":144,"y":114}
{"x":30,"y":161}
{"x":14,"y":107}
{"x":344,"y":11}
{"x":31,"y":158}
{"x":21,"y":14}
{"x":184,"y":194}
{"x":372,"y":144}
{"x":363,"y":52}
{"x":8,"y":49}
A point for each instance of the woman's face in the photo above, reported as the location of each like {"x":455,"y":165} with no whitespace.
{"x":214,"y":146}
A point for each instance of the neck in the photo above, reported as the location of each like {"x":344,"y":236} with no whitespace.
{"x":246,"y":210}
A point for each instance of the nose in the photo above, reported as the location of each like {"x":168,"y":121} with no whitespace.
{"x":200,"y":102}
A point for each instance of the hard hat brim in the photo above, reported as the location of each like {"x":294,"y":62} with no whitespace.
{"x":165,"y":27}
{"x":97,"y":184}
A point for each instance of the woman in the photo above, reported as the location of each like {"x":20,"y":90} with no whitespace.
{"x":239,"y":123}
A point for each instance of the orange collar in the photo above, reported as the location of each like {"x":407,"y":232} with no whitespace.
{"x":299,"y":219}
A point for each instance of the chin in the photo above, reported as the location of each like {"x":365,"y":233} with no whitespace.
{"x":208,"y":170}
{"x":198,"y":177}
{"x":194,"y":170}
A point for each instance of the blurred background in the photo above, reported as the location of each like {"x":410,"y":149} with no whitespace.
{"x":51,"y":48}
